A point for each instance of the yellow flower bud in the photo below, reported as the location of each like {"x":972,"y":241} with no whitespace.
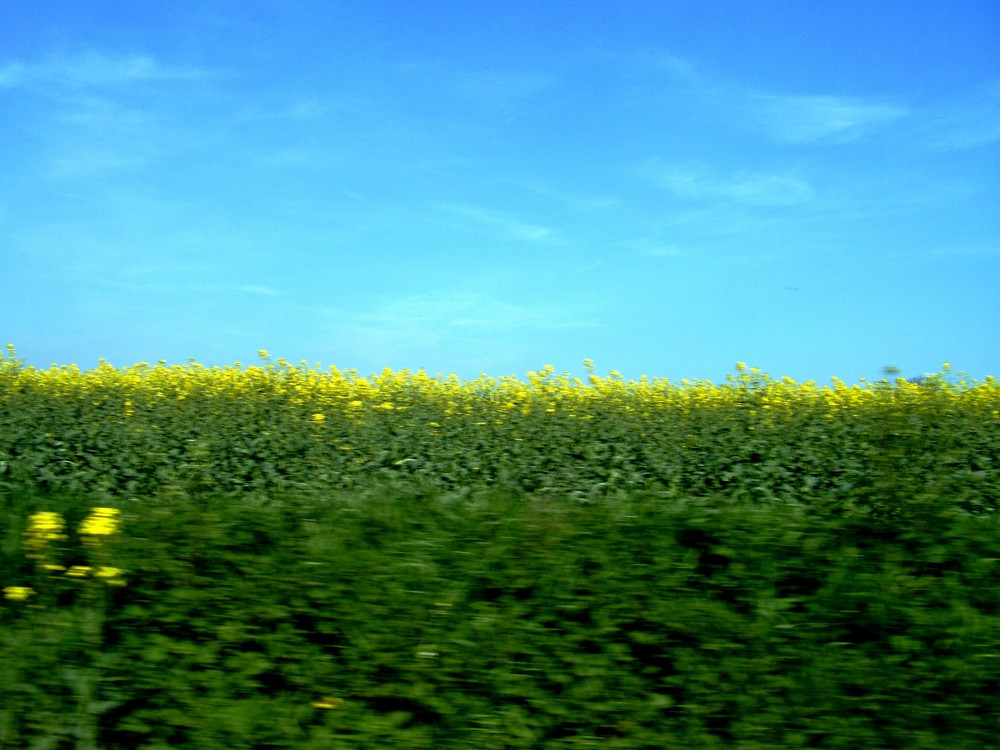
{"x":17,"y":593}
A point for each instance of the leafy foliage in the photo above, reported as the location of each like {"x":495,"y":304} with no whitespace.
{"x":152,"y":431}
{"x":497,"y":564}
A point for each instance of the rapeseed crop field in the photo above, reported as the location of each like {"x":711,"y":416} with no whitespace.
{"x":147,"y":429}
{"x":286,"y":555}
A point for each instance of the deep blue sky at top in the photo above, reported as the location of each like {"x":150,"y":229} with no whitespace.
{"x":666,"y":188}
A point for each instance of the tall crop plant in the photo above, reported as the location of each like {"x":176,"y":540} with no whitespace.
{"x":276,"y":426}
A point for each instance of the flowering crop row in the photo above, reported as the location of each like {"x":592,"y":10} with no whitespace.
{"x":275,"y":425}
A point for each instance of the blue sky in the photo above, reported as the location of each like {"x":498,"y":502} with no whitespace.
{"x":666,"y":188}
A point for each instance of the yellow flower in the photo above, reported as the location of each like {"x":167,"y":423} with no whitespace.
{"x":318,"y":418}
{"x":17,"y":593}
{"x":46,"y":521}
{"x":79,"y":571}
{"x":43,"y":527}
{"x":328,"y":703}
{"x":46,"y":526}
{"x":100,"y":522}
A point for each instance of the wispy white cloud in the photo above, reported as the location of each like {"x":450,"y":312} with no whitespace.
{"x":287,"y":157}
{"x":653,"y":248}
{"x":787,"y":118}
{"x":570,"y":199}
{"x":264,"y":291}
{"x":13,"y":74}
{"x":94,"y":136}
{"x":698,"y":183}
{"x":804,"y":119}
{"x":91,"y":162}
{"x":969,"y":121}
{"x":509,"y":226}
{"x":475,"y":309}
{"x":958,"y":252}
{"x":297,"y":111}
{"x":484,"y":326}
{"x":463,"y":95}
{"x":94,"y":70}
{"x":503,"y":89}
{"x":496,"y":91}
{"x":93,"y":121}
{"x":677,"y":66}
{"x":104,"y":115}
{"x":433,"y":311}
{"x":200,"y":285}
{"x":664,"y":251}
{"x":971,"y":131}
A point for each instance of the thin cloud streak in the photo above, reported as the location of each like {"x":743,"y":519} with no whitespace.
{"x":698,"y":183}
{"x":434,"y":311}
{"x":497,"y":91}
{"x":571,"y":200}
{"x":93,"y":122}
{"x":787,"y":118}
{"x":968,"y":122}
{"x":307,"y":109}
{"x":92,"y":136}
{"x":806,"y":119}
{"x":501,"y":90}
{"x":88,"y":163}
{"x":288,"y":157}
{"x":976,"y":132}
{"x":486,"y":328}
{"x":94,"y":70}
{"x":432,"y":314}
{"x":972,"y":121}
{"x":651,"y":248}
{"x":953,"y":253}
{"x":475,"y":219}
{"x":264,"y":291}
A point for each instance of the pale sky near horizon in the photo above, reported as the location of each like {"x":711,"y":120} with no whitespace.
{"x":665,"y":188}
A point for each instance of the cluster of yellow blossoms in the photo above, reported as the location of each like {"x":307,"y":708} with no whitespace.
{"x":47,"y":527}
{"x":101,"y":522}
{"x":320,"y":394}
{"x":43,"y":528}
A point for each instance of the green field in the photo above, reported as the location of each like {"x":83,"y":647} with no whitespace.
{"x":284,"y":556}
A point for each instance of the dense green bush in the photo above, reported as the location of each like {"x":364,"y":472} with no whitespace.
{"x":394,"y":617}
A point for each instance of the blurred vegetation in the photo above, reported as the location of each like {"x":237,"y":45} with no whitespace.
{"x":279,"y":557}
